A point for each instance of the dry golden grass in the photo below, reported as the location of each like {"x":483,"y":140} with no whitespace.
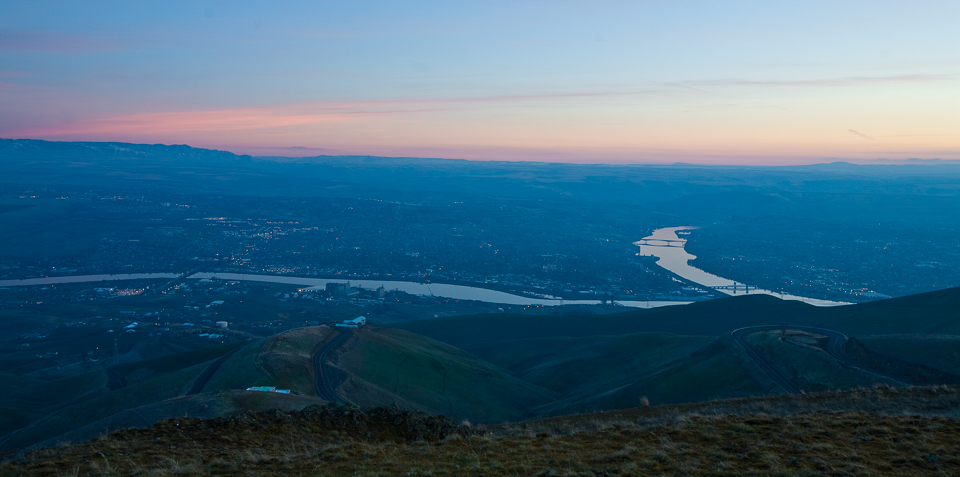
{"x":786,"y":440}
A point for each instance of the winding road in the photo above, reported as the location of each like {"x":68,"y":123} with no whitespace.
{"x":326,"y":389}
{"x":834,"y":349}
{"x":208,"y":373}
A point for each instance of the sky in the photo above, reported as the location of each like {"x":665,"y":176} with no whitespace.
{"x":731,"y":82}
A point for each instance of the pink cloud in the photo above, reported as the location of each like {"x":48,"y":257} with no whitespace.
{"x":272,"y":117}
{"x":390,"y":127}
{"x":194,"y":121}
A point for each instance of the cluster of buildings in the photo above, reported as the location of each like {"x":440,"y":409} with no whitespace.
{"x":344,"y":289}
{"x":354,"y":323}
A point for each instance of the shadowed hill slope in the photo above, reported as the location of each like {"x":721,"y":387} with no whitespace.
{"x":709,"y":318}
{"x":936,"y":351}
{"x":206,"y":406}
{"x":82,"y":403}
{"x":934,"y":312}
{"x":392,"y":366}
{"x":719,"y":370}
{"x":496,"y":368}
{"x":64,"y":420}
{"x":569,"y":365}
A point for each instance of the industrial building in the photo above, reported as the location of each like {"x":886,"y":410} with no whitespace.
{"x":354,"y":323}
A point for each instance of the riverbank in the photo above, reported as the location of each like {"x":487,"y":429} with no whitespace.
{"x":457,"y":292}
{"x":669,"y":248}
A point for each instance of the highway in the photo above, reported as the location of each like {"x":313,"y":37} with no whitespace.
{"x":834,"y":349}
{"x":326,"y":389}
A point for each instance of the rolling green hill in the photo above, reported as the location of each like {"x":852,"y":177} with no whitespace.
{"x":501,"y":367}
{"x":937,"y":351}
{"x":570,"y":366}
{"x":392,"y":366}
{"x":719,"y":370}
{"x":69,"y":418}
{"x":284,"y":361}
{"x":708,"y":318}
{"x":76,"y":405}
{"x":811,"y":369}
{"x":55,"y":393}
{"x":935,"y":312}
{"x":611,"y":361}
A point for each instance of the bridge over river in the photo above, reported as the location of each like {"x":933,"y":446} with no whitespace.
{"x":671,"y":255}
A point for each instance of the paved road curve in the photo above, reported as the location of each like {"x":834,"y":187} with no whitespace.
{"x":765,"y":365}
{"x":834,"y":349}
{"x":324,"y":383}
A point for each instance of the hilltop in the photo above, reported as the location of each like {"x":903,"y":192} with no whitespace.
{"x":860,"y":432}
{"x":686,"y":354}
{"x":936,"y":312}
{"x":491,"y":369}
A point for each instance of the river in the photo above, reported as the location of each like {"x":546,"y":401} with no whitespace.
{"x":457,"y":292}
{"x":668,"y":247}
{"x":445,"y":290}
{"x":673,"y":258}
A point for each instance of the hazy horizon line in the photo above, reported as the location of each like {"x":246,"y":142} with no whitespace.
{"x":681,"y":159}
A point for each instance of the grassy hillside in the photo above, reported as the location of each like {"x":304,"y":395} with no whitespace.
{"x":570,"y":366}
{"x":288,"y":358}
{"x":811,"y":369}
{"x":388,"y":366}
{"x":142,"y":370}
{"x":15,"y":382}
{"x":937,"y":351}
{"x":709,"y":318}
{"x":611,"y":361}
{"x":70,"y":405}
{"x":28,"y":400}
{"x":284,"y":360}
{"x":496,"y":368}
{"x":13,"y":418}
{"x":166,"y":386}
{"x":57,"y":393}
{"x":207,"y":405}
{"x":241,"y":370}
{"x":862,"y":432}
{"x":719,"y":370}
{"x":935,"y":312}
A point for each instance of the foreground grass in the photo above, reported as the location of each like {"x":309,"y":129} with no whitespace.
{"x":336,"y":440}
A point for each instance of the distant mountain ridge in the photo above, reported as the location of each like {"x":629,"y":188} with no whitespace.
{"x":12,"y":150}
{"x":185,"y":168}
{"x":18,"y":147}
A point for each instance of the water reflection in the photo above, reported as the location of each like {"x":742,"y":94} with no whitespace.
{"x":457,"y":292}
{"x":445,"y":290}
{"x":668,"y":247}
